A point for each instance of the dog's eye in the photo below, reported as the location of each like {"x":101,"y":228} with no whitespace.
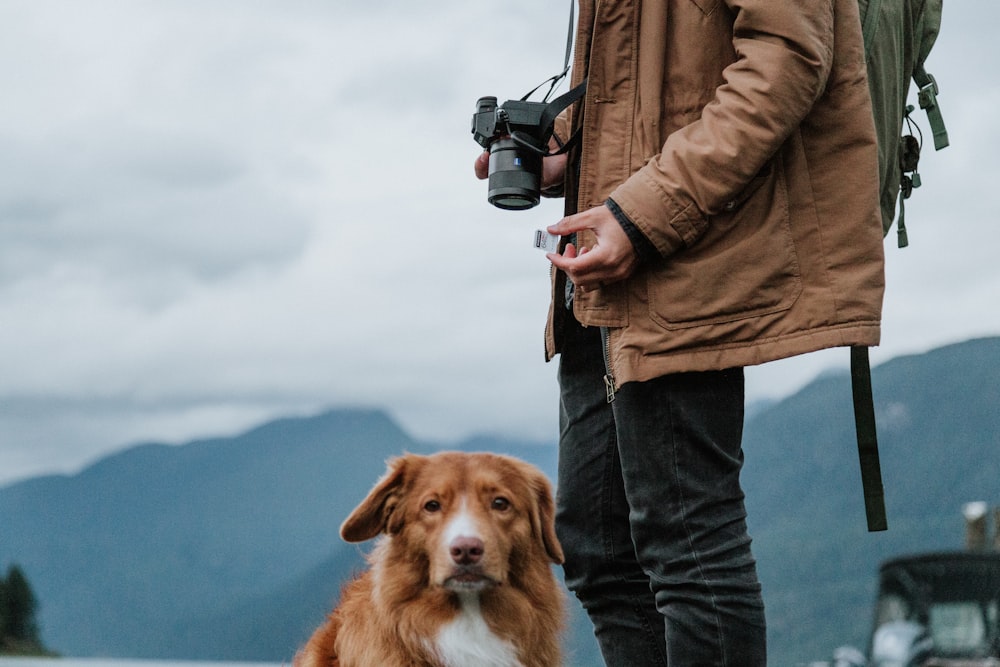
{"x":432,"y":506}
{"x":501,"y":504}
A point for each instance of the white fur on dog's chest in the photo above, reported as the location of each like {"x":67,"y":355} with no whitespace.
{"x":468,"y":640}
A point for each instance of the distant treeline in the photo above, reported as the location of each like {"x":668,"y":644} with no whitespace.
{"x":18,"y":628}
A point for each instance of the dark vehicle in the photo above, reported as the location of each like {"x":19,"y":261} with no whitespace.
{"x":938,"y":610}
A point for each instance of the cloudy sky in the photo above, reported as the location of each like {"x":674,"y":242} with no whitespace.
{"x":217,"y":212}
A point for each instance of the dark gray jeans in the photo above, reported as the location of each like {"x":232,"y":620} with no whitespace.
{"x":650,"y":514}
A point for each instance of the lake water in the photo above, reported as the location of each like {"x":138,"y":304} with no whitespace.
{"x":119,"y":662}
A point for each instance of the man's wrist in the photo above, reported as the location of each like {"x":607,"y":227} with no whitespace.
{"x":644,"y":249}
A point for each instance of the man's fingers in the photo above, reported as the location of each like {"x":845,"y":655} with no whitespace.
{"x":482,"y":165}
{"x":581,"y":267}
{"x":571,"y":224}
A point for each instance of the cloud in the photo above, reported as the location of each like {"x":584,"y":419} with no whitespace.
{"x":212,"y":214}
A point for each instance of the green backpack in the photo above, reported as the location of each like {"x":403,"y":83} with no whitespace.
{"x":899,"y":35}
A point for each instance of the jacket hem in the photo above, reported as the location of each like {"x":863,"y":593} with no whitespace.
{"x":644,"y":367}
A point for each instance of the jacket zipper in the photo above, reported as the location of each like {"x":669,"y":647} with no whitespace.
{"x":609,"y":378}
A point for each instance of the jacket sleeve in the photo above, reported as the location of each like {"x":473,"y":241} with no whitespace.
{"x":784,"y":53}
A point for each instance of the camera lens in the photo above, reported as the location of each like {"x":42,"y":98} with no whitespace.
{"x":514,"y":176}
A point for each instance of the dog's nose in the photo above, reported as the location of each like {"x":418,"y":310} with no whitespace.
{"x":466,"y":550}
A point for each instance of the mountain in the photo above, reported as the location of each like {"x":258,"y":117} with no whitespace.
{"x":227,"y":548}
{"x":938,"y":417}
{"x":158,"y":533}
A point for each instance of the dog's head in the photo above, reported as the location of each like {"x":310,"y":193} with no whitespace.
{"x":474,"y":520}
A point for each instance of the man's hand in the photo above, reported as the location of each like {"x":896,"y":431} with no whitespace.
{"x":610,"y":260}
{"x":553,"y":167}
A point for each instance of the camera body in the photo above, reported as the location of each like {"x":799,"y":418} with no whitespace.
{"x":516,"y":135}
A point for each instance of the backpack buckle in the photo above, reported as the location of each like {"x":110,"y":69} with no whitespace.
{"x":927,"y":96}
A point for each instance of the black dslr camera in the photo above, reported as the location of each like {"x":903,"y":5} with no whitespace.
{"x":517,"y":136}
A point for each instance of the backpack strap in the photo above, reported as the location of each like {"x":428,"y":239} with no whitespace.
{"x":861,"y":375}
{"x":927,"y":96}
{"x":864,"y":422}
{"x":869,"y":24}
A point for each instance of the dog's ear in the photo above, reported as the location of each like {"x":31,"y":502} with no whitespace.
{"x":543,"y":515}
{"x":375,"y":513}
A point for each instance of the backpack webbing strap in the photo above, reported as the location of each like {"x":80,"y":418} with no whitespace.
{"x":869,"y":24}
{"x":902,"y":238}
{"x":927,"y":97}
{"x":864,"y":421}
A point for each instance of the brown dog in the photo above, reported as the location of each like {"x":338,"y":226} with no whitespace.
{"x":462,"y":576}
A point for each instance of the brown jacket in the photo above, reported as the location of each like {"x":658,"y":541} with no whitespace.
{"x":738,"y":137}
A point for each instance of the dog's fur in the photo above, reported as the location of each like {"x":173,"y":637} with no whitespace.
{"x":461,"y":576}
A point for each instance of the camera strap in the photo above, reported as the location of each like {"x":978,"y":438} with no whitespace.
{"x":558,"y":105}
{"x":565,"y":70}
{"x":547,"y":119}
{"x":569,"y":38}
{"x":565,"y":100}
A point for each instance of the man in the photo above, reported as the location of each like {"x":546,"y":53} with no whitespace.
{"x":722,"y":210}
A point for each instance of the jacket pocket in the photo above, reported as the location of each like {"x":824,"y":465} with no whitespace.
{"x":745,"y":265}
